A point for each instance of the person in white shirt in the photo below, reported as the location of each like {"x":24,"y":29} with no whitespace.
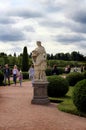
{"x":15,"y":74}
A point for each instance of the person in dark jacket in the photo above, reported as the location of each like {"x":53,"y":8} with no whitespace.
{"x":6,"y":74}
{"x":55,"y":70}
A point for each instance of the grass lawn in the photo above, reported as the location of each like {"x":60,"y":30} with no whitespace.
{"x":66,"y":104}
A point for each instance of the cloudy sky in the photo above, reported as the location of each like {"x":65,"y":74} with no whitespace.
{"x":59,"y":24}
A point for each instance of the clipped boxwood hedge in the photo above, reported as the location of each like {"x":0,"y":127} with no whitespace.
{"x":84,"y":74}
{"x":57,"y":86}
{"x":1,"y":77}
{"x":74,"y":77}
{"x":25,"y":75}
{"x":48,"y":71}
{"x":60,"y":70}
{"x":79,"y":95}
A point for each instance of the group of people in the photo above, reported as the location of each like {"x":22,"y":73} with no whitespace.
{"x":15,"y":73}
{"x":80,"y":69}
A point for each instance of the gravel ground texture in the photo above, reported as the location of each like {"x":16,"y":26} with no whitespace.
{"x":17,"y":112}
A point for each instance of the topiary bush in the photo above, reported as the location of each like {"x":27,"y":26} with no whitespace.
{"x":84,"y":74}
{"x":1,"y":77}
{"x":79,"y":95}
{"x":57,"y":86}
{"x":48,"y":71}
{"x":60,"y":70}
{"x":25,"y":75}
{"x":74,"y":77}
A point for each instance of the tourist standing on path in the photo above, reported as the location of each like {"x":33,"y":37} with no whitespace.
{"x":15,"y":74}
{"x":31,"y":73}
{"x":20,"y":75}
{"x":6,"y":74}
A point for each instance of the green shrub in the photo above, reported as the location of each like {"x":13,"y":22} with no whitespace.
{"x":57,"y":86}
{"x":25,"y":75}
{"x":74,"y":77}
{"x":60,"y":70}
{"x":1,"y":77}
{"x":48,"y":71}
{"x":79,"y":95}
{"x":84,"y":74}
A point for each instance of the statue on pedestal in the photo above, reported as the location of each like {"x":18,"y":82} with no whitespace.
{"x":40,"y":83}
{"x":39,"y":60}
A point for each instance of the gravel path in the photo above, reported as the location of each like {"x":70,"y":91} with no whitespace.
{"x":17,"y":112}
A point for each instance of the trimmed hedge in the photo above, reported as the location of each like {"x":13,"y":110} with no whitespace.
{"x":74,"y":77}
{"x":60,"y":70}
{"x":1,"y":77}
{"x":25,"y":75}
{"x":48,"y":71}
{"x":84,"y":74}
{"x":57,"y":86}
{"x":79,"y":95}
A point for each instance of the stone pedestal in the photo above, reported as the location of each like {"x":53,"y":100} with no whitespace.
{"x":40,"y":93}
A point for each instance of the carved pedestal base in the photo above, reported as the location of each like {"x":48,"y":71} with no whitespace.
{"x":40,"y":93}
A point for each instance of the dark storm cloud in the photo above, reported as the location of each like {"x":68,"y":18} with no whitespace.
{"x":59,"y":21}
{"x":11,"y":37}
{"x":75,"y":13}
{"x":8,"y":33}
{"x":68,"y":39}
{"x":73,"y":26}
{"x":24,"y":13}
{"x":79,"y":16}
{"x":79,"y":28}
{"x":51,"y":23}
{"x":67,"y":25}
{"x":7,"y":20}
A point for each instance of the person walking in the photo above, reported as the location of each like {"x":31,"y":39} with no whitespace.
{"x":55,"y":70}
{"x":31,"y":73}
{"x":15,"y":74}
{"x":20,"y":77}
{"x":6,"y":74}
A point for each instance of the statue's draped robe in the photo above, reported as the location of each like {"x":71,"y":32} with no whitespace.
{"x":39,"y":60}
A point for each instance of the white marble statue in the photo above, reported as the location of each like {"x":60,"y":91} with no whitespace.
{"x":39,"y":60}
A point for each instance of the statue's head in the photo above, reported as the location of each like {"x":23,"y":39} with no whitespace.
{"x":38,"y":43}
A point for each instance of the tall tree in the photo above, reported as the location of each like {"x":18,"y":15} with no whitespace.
{"x":14,"y":54}
{"x":25,"y":60}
